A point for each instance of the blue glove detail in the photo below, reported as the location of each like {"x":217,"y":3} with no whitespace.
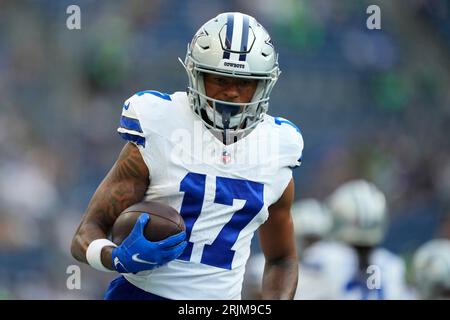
{"x":136,"y":253}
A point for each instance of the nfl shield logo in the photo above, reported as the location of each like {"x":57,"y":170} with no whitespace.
{"x":226,"y":157}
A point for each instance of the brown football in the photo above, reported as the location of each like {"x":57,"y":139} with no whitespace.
{"x":164,"y":221}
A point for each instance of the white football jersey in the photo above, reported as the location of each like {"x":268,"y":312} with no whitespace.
{"x":336,"y":266}
{"x":222,"y":191}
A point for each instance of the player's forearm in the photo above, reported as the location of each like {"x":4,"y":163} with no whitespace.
{"x":124,"y":185}
{"x":96,"y":222}
{"x":86,"y":233}
{"x":108,"y":202}
{"x":280,"y":279}
{"x":107,"y":206}
{"x":83,"y":238}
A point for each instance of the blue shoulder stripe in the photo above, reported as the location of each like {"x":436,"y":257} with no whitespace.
{"x":279,"y":121}
{"x":133,"y":138}
{"x":164,"y":96}
{"x":130,"y":124}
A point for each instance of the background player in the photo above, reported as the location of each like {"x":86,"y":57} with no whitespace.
{"x":354,"y":264}
{"x":312,"y":223}
{"x":431,"y":269}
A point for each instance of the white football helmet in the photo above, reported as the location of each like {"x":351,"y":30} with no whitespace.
{"x":431,"y":268}
{"x":359,"y":213}
{"x":311,"y":219}
{"x":234,"y":45}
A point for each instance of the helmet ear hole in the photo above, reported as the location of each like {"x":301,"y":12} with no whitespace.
{"x":204,"y":42}
{"x":266,"y":50}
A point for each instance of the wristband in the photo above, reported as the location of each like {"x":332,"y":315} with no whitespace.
{"x":94,"y":253}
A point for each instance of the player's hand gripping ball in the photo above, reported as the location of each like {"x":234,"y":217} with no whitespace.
{"x":149,"y":235}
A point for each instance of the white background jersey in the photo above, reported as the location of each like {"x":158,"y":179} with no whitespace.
{"x":335,"y":266}
{"x":222,"y":192}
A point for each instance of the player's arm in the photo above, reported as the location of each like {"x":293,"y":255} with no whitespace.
{"x":124,"y":185}
{"x":278,"y":245}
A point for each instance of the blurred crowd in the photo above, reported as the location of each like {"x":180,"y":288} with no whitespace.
{"x":371,"y":104}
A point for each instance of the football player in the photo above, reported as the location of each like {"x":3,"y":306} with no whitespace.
{"x":215,"y":155}
{"x":431,"y":269}
{"x":312,"y":223}
{"x":355,"y":266}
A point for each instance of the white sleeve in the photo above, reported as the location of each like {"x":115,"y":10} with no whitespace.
{"x":130,"y":127}
{"x":291,"y":143}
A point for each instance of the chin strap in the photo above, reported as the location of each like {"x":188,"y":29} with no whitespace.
{"x":225,"y":119}
{"x":226,"y":115}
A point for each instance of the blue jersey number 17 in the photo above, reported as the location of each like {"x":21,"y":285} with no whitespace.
{"x":219,"y":252}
